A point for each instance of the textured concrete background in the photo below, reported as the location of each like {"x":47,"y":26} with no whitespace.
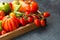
{"x":52,"y":31}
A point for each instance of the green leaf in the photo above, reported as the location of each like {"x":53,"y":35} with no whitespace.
{"x":0,"y":28}
{"x":18,"y":14}
{"x":17,"y":8}
{"x":0,"y":25}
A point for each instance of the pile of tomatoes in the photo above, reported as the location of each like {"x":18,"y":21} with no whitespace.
{"x":21,"y":13}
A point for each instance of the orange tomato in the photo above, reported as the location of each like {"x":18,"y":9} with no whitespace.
{"x":10,"y":23}
{"x":31,"y":6}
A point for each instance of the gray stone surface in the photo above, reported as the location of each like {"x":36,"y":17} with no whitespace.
{"x":52,"y":31}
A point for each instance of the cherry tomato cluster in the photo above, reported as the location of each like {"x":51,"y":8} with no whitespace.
{"x":21,"y":13}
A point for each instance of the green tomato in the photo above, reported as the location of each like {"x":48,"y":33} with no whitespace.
{"x":5,"y":7}
{"x":0,"y":25}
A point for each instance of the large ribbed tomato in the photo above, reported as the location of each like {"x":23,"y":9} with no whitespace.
{"x":10,"y":23}
{"x":31,"y":6}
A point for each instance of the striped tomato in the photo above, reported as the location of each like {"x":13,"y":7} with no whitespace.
{"x":10,"y":23}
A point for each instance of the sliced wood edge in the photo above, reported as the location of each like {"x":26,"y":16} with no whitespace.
{"x":20,"y":31}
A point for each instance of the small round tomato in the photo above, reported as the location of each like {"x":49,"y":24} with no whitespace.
{"x":46,"y":14}
{"x":22,"y":21}
{"x":27,"y":13}
{"x":3,"y":32}
{"x":35,"y":17}
{"x":37,"y":22}
{"x":43,"y":23}
{"x":30,"y":19}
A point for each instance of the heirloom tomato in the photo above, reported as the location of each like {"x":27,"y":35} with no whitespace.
{"x":31,"y":6}
{"x":10,"y":23}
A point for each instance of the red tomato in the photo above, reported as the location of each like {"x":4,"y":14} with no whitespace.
{"x":46,"y":14}
{"x":1,"y":17}
{"x":24,"y":7}
{"x":3,"y":32}
{"x":43,"y":23}
{"x":27,"y":13}
{"x":2,"y":14}
{"x":37,"y":22}
{"x":26,"y":21}
{"x":30,"y":19}
{"x":31,"y":6}
{"x":10,"y":23}
{"x":10,"y":3}
{"x":22,"y":21}
{"x":35,"y":17}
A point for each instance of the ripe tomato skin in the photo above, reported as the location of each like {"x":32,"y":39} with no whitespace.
{"x":10,"y":3}
{"x":9,"y":23}
{"x":22,"y":21}
{"x":1,"y":17}
{"x":37,"y":22}
{"x":25,"y":7}
{"x":33,"y":7}
{"x":5,"y":27}
{"x":43,"y":24}
{"x":2,"y":14}
{"x":35,"y":17}
{"x":30,"y":19}
{"x":3,"y":32}
{"x":46,"y":14}
{"x":27,"y":13}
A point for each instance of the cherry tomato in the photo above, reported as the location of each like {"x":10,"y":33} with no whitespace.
{"x":37,"y":22}
{"x":35,"y":17}
{"x":3,"y":32}
{"x":46,"y":14}
{"x":30,"y":19}
{"x":43,"y":23}
{"x":27,"y":13}
{"x":22,"y":21}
